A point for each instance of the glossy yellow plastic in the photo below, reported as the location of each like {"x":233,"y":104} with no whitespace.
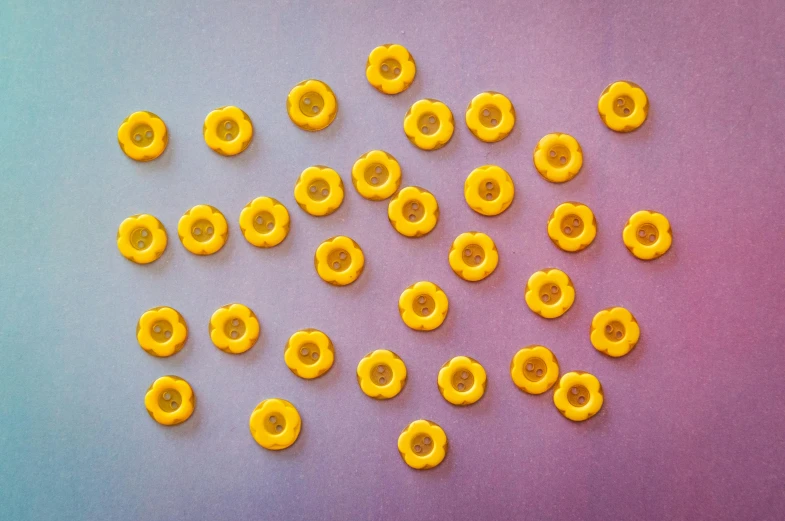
{"x":572,"y":226}
{"x":578,"y":396}
{"x":227,"y":130}
{"x":161,"y":331}
{"x":275,"y":424}
{"x":490,"y":116}
{"x":413,"y":212}
{"x":623,"y":106}
{"x":473,"y":256}
{"x":462,"y":380}
{"x":558,"y":157}
{"x":339,"y":261}
{"x":381,"y":374}
{"x":264,"y":222}
{"x":234,"y":328}
{"x":309,"y":353}
{"x":319,"y":190}
{"x":376,"y":175}
{"x":311,"y":105}
{"x":422,"y":444}
{"x":534,"y":369}
{"x":647,"y":234}
{"x":423,"y":306}
{"x":170,"y":400}
{"x":203,"y":230}
{"x":390,"y":68}
{"x":143,"y":136}
{"x":141,"y":238}
{"x":429,"y":124}
{"x":614,"y":331}
{"x":549,"y":293}
{"x":488,"y":190}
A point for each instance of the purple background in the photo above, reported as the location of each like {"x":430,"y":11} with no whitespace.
{"x":693,"y":423}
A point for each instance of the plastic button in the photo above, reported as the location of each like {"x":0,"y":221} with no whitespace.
{"x":161,"y":331}
{"x":311,"y":105}
{"x":578,"y":396}
{"x":203,"y":230}
{"x":549,"y":293}
{"x":339,"y":261}
{"x":319,"y":190}
{"x":275,"y":424}
{"x":422,"y":444}
{"x":614,"y":331}
{"x":423,"y":306}
{"x":462,"y":380}
{"x":376,"y":175}
{"x":390,"y":68}
{"x":647,"y":234}
{"x":572,"y":226}
{"x":264,"y":222}
{"x":490,"y":116}
{"x":623,"y":106}
{"x":309,"y":353}
{"x":141,"y":238}
{"x":488,"y":190}
{"x":534,"y":369}
{"x":143,"y":136}
{"x":428,"y":124}
{"x":234,"y":328}
{"x":558,"y":157}
{"x":414,"y":212}
{"x":170,"y":400}
{"x":228,"y":130}
{"x":473,"y":256}
{"x":381,"y":374}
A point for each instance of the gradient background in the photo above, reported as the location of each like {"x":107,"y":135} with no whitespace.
{"x":693,"y":422}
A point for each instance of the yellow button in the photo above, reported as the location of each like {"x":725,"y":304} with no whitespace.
{"x":311,"y":105}
{"x":319,"y":190}
{"x":423,"y":306}
{"x":473,"y":256}
{"x":558,"y":157}
{"x":490,"y":116}
{"x":414,"y":212}
{"x":234,"y":328}
{"x":488,"y":190}
{"x":376,"y":175}
{"x":275,"y":424}
{"x":647,"y":234}
{"x":203,"y":230}
{"x":623,"y":106}
{"x":390,"y":68}
{"x":339,"y":261}
{"x":578,"y":396}
{"x":428,"y":124}
{"x":170,"y":400}
{"x":161,"y":331}
{"x":422,"y":444}
{"x":264,"y":222}
{"x":572,"y":226}
{"x":381,"y":374}
{"x":228,"y":130}
{"x":143,"y":136}
{"x":141,"y":238}
{"x":462,"y":380}
{"x":309,"y":353}
{"x":549,"y":293}
{"x":614,"y":331}
{"x":534,"y":369}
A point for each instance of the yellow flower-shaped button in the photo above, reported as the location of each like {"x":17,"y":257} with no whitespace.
{"x":578,"y":396}
{"x":203,"y":230}
{"x":572,"y":226}
{"x":614,"y":331}
{"x":227,"y":130}
{"x":339,"y":261}
{"x":275,"y":424}
{"x":264,"y":222}
{"x":473,"y":256}
{"x":381,"y":374}
{"x":423,"y":306}
{"x":141,"y":238}
{"x":311,"y":105}
{"x":462,"y":380}
{"x":309,"y":353}
{"x":488,"y":190}
{"x":143,"y":136}
{"x":422,"y":444}
{"x":170,"y":400}
{"x":161,"y":331}
{"x":558,"y":157}
{"x":390,"y":68}
{"x":549,"y":293}
{"x":623,"y":106}
{"x":534,"y":369}
{"x":414,"y":212}
{"x":376,"y":175}
{"x":428,"y":124}
{"x":647,"y":234}
{"x":319,"y":190}
{"x":490,"y":116}
{"x":234,"y":328}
